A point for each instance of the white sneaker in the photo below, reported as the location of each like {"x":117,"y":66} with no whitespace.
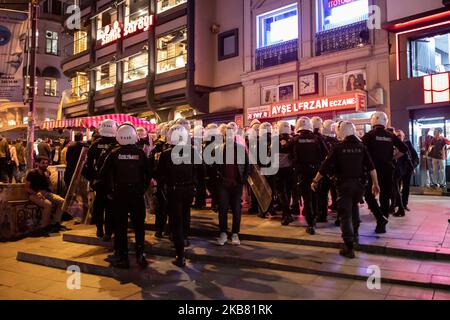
{"x":235,"y":239}
{"x":223,"y":238}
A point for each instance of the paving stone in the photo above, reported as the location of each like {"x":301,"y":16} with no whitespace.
{"x":441,"y":295}
{"x":410,"y":292}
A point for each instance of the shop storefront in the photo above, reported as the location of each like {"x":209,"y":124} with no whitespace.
{"x":348,"y":106}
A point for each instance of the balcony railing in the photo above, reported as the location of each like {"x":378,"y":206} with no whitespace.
{"x":171,"y":63}
{"x":276,"y":54}
{"x":135,"y":74}
{"x":342,"y":38}
{"x":106,"y":83}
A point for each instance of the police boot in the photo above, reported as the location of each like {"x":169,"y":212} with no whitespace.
{"x":311,"y":230}
{"x":356,"y":240}
{"x":381,"y":225}
{"x":400,"y":213}
{"x":121,"y":262}
{"x":140,"y":257}
{"x":295,"y":210}
{"x":179,"y":261}
{"x":347,"y":251}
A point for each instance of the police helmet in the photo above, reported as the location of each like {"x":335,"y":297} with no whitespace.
{"x":254,"y":122}
{"x":107,"y":128}
{"x":304,"y":123}
{"x":222,"y":129}
{"x":251,"y":133}
{"x":328,"y":128}
{"x":316,"y":123}
{"x":178,"y":134}
{"x":211,"y":130}
{"x":265,"y":128}
{"x":284,"y":127}
{"x":185,"y":123}
{"x":379,"y":118}
{"x":126,"y":135}
{"x":233,"y":125}
{"x":346,"y":129}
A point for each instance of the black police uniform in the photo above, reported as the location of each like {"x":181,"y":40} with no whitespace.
{"x":265,"y":143}
{"x":295,"y":189}
{"x":283,"y":178}
{"x":102,"y":207}
{"x":380,"y":144}
{"x":211,"y":178}
{"x":161,"y":197}
{"x":128,"y":174}
{"x":178,"y":181}
{"x":327,"y":186}
{"x":308,"y":154}
{"x":349,"y":162}
{"x":323,"y":188}
{"x":200,"y":193}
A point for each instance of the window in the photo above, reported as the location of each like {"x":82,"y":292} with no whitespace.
{"x":229,"y":44}
{"x":51,"y":44}
{"x":164,"y":5}
{"x":135,"y":9}
{"x":80,"y":41}
{"x":337,"y":13}
{"x":79,"y":86}
{"x":172,"y":51}
{"x":277,"y":26}
{"x":106,"y":76}
{"x":107,"y":18}
{"x":135,"y":67}
{"x":430,"y":55}
{"x":50,"y":87}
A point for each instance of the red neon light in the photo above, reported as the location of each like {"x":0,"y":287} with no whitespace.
{"x":421,"y":20}
{"x":108,"y":34}
{"x":350,"y":101}
{"x":410,"y":31}
{"x":337,"y":3}
{"x":436,"y":88}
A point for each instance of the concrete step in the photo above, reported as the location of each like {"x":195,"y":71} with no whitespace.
{"x":394,"y":248}
{"x":274,"y":256}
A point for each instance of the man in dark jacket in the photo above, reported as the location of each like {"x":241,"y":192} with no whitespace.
{"x":72,"y":156}
{"x":4,"y":158}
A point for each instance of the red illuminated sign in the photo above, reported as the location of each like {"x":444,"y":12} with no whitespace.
{"x":436,"y":88}
{"x":116,"y":31}
{"x":349,"y":101}
{"x":337,"y":3}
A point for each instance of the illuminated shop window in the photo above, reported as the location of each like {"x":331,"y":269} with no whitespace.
{"x":136,"y":67}
{"x":50,"y":87}
{"x":51,"y":42}
{"x":277,"y":26}
{"x":164,"y":5}
{"x":430,"y":55}
{"x":337,"y":13}
{"x":79,"y":86}
{"x":135,"y":9}
{"x":80,"y":41}
{"x":106,"y":76}
{"x":107,"y":18}
{"x":172,"y":51}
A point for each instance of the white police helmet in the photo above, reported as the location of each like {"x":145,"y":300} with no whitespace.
{"x":251,"y":133}
{"x":178,"y":135}
{"x":284,"y":127}
{"x":346,"y":129}
{"x":328,"y":128}
{"x":126,"y":135}
{"x":264,"y":128}
{"x":222,"y":129}
{"x":379,"y":118}
{"x":304,"y":123}
{"x":142,"y":132}
{"x":316,"y":122}
{"x":254,"y":122}
{"x":107,"y":128}
{"x":185,"y":123}
{"x":233,"y":125}
{"x":210,"y":131}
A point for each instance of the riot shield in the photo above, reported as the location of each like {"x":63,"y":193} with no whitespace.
{"x":78,"y":200}
{"x":260,"y":187}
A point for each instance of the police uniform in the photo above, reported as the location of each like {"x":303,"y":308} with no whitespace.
{"x":283,"y":178}
{"x":327,"y":185}
{"x":322,"y":192}
{"x":308,"y":154}
{"x":128,"y":174}
{"x":349,"y":162}
{"x":178,"y":181}
{"x":380,"y":144}
{"x":102,"y":207}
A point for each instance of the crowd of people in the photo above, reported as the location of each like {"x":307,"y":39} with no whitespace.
{"x":322,"y":167}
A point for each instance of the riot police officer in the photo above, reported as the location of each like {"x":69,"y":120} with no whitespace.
{"x":349,"y":161}
{"x":128,"y":174}
{"x":97,"y":153}
{"x":144,"y":142}
{"x":380,"y":143}
{"x":307,"y":153}
{"x":283,"y":178}
{"x":200,"y":194}
{"x":253,"y":133}
{"x":176,"y":173}
{"x":264,"y":159}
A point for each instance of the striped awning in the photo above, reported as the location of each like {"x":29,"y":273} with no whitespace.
{"x":93,"y":122}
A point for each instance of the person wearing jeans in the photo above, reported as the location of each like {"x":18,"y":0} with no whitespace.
{"x":232,"y":176}
{"x":437,"y":154}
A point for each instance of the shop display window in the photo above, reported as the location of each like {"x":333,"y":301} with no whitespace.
{"x":277,"y":26}
{"x":79,"y":86}
{"x":430,"y":55}
{"x":164,"y":5}
{"x":136,"y":67}
{"x":106,"y":76}
{"x":172,"y":51}
{"x":333,"y":14}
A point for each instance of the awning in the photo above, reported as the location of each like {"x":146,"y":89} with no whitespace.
{"x":51,"y":72}
{"x":93,"y":122}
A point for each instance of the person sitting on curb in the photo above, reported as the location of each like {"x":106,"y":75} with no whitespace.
{"x":37,"y":185}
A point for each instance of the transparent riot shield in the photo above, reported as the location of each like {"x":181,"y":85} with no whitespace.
{"x":78,"y":200}
{"x":260,"y":187}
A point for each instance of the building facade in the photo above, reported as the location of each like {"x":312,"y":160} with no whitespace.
{"x":419,"y":38}
{"x":50,"y":80}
